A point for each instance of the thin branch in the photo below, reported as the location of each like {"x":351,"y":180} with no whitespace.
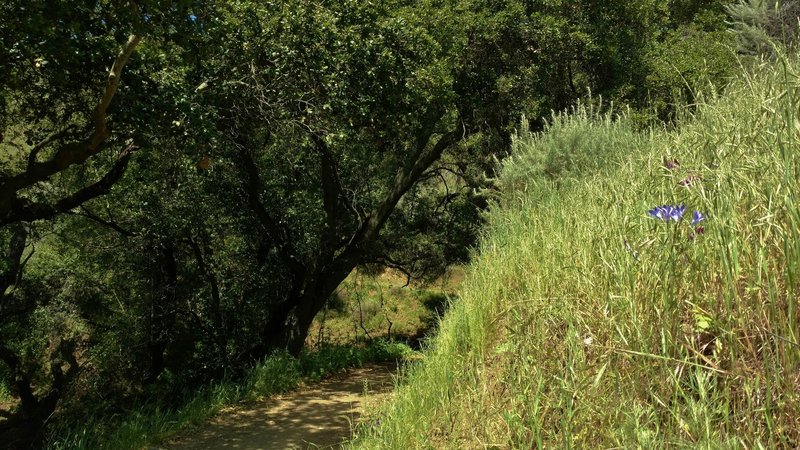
{"x":275,"y":230}
{"x":445,"y":201}
{"x":253,"y":188}
{"x":216,"y":314}
{"x":331,"y":189}
{"x":22,"y":267}
{"x":16,"y":248}
{"x":333,"y":192}
{"x":398,"y":266}
{"x":440,"y":168}
{"x":34,"y":152}
{"x":406,"y":177}
{"x":106,"y":223}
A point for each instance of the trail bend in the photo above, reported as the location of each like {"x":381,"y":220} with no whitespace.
{"x":317,"y":416}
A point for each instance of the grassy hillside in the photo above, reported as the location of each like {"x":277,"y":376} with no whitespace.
{"x":383,"y":306}
{"x":585,"y":322}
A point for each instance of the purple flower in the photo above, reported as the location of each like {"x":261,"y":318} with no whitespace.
{"x":659,"y":212}
{"x":697,"y":217}
{"x":677,"y":212}
{"x":668,"y":213}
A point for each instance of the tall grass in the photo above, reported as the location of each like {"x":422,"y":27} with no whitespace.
{"x":585,"y":323}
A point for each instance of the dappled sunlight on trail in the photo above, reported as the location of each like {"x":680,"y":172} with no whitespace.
{"x":318,"y":416}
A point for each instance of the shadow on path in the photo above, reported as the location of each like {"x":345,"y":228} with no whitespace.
{"x":317,"y":416}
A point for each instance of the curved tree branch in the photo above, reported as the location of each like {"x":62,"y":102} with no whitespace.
{"x":424,"y":156}
{"x":68,"y":154}
{"x":23,"y":210}
{"x":107,"y":223}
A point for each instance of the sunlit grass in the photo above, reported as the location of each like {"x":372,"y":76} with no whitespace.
{"x":387,"y":305}
{"x":585,"y":323}
{"x":5,"y":392}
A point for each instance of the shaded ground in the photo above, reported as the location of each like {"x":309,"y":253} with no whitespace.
{"x":318,"y":416}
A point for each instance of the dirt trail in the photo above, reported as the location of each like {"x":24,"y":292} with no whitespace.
{"x":317,"y":416}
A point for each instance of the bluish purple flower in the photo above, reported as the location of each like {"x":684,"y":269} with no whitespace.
{"x":668,"y":213}
{"x":697,"y":217}
{"x":677,"y":212}
{"x":657,"y":213}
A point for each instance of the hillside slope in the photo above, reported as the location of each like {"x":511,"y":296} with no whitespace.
{"x":587,"y":322}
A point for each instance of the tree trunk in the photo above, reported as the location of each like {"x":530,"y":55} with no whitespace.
{"x":302,"y":317}
{"x":288,"y":326}
{"x":290,"y":320}
{"x":24,"y":429}
{"x":162,"y":312}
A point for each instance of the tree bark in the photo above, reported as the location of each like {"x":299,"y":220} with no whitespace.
{"x":294,"y":330}
{"x":219,"y":333}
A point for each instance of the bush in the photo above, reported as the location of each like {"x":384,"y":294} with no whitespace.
{"x":764,"y":27}
{"x":277,"y":374}
{"x":571,"y":145}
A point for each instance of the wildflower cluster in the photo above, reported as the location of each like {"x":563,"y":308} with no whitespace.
{"x":674,"y":213}
{"x":668,"y":213}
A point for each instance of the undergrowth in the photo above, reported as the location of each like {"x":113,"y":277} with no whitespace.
{"x":585,"y":322}
{"x":5,"y":393}
{"x":152,"y":423}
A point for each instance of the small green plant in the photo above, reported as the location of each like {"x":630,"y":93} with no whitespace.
{"x":277,"y":374}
